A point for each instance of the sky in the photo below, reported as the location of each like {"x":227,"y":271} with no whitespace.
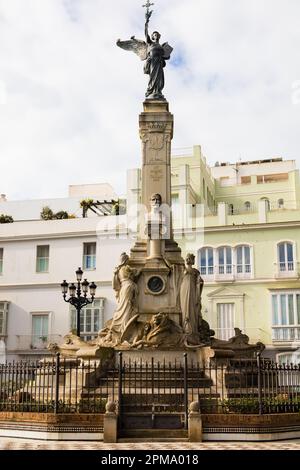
{"x":70,"y":98}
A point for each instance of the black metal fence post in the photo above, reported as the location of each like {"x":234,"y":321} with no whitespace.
{"x":57,"y":367}
{"x":120,"y":380}
{"x":186,"y":391}
{"x":259,"y":384}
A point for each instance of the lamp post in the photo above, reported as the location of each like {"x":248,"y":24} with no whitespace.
{"x":78,"y":294}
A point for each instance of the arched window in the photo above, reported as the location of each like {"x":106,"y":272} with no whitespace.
{"x":280,"y":203}
{"x":267,"y":202}
{"x":206,"y":261}
{"x":243,"y":260}
{"x":247,"y":206}
{"x":289,"y":358}
{"x":225,"y":260}
{"x":230,"y":209}
{"x":286,"y":256}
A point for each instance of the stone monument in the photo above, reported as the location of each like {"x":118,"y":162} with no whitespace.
{"x":158,"y":294}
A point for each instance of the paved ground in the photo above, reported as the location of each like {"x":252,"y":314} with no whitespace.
{"x":24,"y":444}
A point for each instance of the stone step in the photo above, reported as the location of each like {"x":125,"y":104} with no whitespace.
{"x":151,"y":439}
{"x":155,"y":434}
{"x":167,"y":382}
{"x":143,"y":373}
{"x":141,"y":392}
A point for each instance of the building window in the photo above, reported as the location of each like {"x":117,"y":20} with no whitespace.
{"x":42,"y":259}
{"x":91,"y":319}
{"x":175,"y":205}
{"x":225,"y":320}
{"x":206,"y":261}
{"x":272,"y":178}
{"x":247,"y":206}
{"x":3,"y":318}
{"x":280,"y":203}
{"x":203,"y":188}
{"x":289,"y":358}
{"x":230,"y":209}
{"x":225,"y":181}
{"x":225,"y":260}
{"x":89,"y":256}
{"x":40,"y":331}
{"x":246,"y":180}
{"x":286,"y":256}
{"x":1,"y":261}
{"x":243,"y":262}
{"x":175,"y":199}
{"x":286,"y":316}
{"x":267,"y":203}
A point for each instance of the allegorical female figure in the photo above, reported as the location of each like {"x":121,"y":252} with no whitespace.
{"x":124,"y":284}
{"x":190,"y":297}
{"x":155,"y":63}
{"x":155,"y":55}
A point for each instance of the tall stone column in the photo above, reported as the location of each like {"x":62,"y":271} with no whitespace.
{"x":156,"y":253}
{"x":156,"y":133}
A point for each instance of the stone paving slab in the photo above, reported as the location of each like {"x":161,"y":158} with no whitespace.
{"x":24,"y":444}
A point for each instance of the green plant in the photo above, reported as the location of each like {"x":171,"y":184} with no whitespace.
{"x":92,"y":405}
{"x":6,"y":219}
{"x":47,"y":213}
{"x":85,"y":204}
{"x":119,"y":208}
{"x":61,"y":215}
{"x":246,"y":405}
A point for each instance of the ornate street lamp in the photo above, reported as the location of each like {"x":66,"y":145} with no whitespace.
{"x":78,"y":294}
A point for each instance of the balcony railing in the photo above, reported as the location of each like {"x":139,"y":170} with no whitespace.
{"x":255,"y":334}
{"x":285,"y":333}
{"x":32,"y":343}
{"x":286,"y":270}
{"x":226,"y":272}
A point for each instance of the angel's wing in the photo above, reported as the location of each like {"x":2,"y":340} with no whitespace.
{"x":135,"y":45}
{"x":167,"y":50}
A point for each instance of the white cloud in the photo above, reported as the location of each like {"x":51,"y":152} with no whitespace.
{"x":72,"y":97}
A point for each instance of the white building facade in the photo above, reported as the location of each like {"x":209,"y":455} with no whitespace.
{"x":241,"y":221}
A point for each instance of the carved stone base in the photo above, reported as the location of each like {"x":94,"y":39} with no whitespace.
{"x":201,"y":356}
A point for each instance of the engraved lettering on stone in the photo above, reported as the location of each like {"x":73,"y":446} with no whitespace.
{"x":156,"y":174}
{"x":155,"y":147}
{"x":157,"y":126}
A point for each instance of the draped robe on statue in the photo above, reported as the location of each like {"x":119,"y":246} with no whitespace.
{"x":190,"y":300}
{"x":154,"y":67}
{"x":126,"y":288}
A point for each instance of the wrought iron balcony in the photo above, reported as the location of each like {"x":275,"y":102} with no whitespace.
{"x":226,"y":272}
{"x":289,"y":269}
{"x":281,"y":334}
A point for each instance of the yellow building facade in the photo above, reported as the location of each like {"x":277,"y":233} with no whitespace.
{"x":242,"y":222}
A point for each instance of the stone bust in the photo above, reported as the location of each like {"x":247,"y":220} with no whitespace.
{"x":156,"y":202}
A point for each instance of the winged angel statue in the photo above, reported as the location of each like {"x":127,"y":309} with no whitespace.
{"x":155,"y":56}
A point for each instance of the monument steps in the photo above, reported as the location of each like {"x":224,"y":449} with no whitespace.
{"x":153,"y":435}
{"x":139,"y":378}
{"x":128,"y":440}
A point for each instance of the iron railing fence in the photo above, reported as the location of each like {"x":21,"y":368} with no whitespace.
{"x":247,"y":386}
{"x":56,"y":386}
